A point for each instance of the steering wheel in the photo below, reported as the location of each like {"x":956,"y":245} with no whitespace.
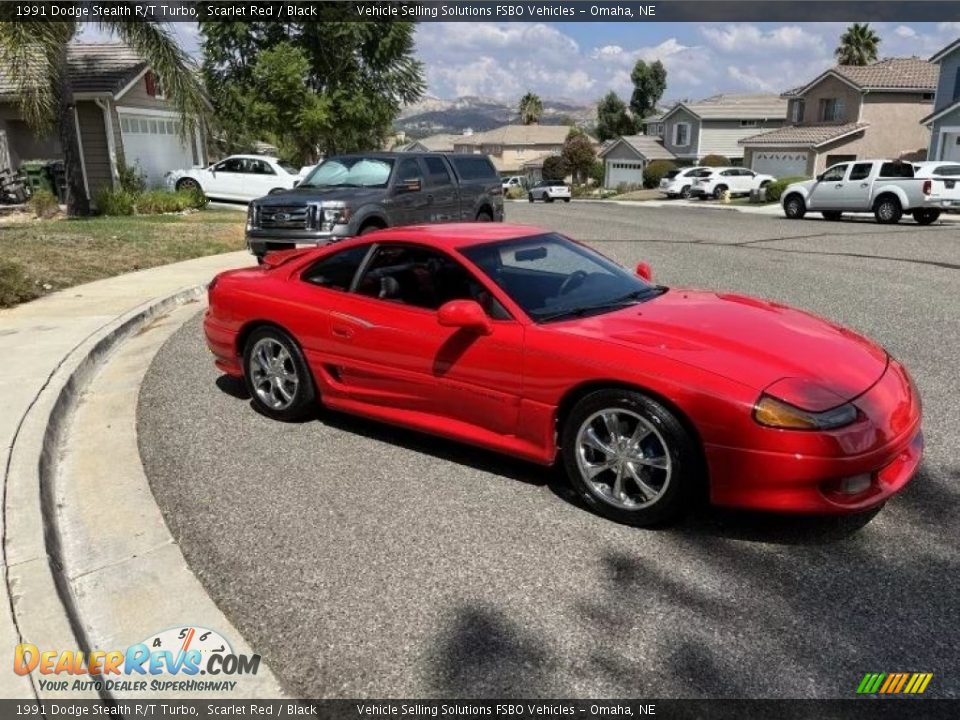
{"x":574,"y":280}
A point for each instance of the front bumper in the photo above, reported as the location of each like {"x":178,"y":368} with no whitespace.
{"x":886,"y":446}
{"x":258,"y":239}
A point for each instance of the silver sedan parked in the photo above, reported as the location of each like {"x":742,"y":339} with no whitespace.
{"x":549,"y":190}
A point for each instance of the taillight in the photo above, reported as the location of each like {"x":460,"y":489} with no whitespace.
{"x":927,"y":186}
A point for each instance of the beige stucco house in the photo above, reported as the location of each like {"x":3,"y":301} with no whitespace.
{"x":847,"y":113}
{"x":516,"y":149}
{"x":121,"y":116}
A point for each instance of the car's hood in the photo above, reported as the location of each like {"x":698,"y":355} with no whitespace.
{"x":751,"y":341}
{"x":298,"y":195}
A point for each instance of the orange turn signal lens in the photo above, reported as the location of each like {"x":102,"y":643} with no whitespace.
{"x":775,"y":413}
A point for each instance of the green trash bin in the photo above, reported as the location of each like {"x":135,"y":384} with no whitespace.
{"x":38,"y":175}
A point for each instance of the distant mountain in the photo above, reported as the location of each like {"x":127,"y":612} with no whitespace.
{"x":435,"y":115}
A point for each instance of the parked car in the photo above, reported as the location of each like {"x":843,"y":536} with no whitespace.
{"x":522,"y":341}
{"x":679,"y":183}
{"x":238,"y":177}
{"x":549,"y":190}
{"x":736,"y":180}
{"x":944,"y":192}
{"x":516,"y":181}
{"x":887,"y":188}
{"x":351,"y":195}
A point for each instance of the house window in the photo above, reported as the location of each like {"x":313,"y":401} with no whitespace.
{"x":927,"y":97}
{"x":796,"y":111}
{"x":831,"y":109}
{"x":749,"y":123}
{"x":681,"y":134}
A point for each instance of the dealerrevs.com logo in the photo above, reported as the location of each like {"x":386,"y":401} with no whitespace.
{"x":169,"y":661}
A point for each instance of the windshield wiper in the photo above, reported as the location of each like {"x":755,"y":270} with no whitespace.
{"x":631,"y":298}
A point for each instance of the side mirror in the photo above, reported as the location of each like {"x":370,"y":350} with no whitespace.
{"x":296,"y":182}
{"x":645,"y":272}
{"x":820,"y":177}
{"x":410,"y":186}
{"x":465,"y":314}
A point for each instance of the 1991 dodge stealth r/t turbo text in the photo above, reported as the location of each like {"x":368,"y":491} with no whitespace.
{"x":523,"y":341}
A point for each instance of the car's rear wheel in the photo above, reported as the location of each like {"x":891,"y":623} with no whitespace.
{"x":888,"y":210}
{"x":685,"y":192}
{"x":832,"y":215}
{"x":630,"y":458}
{"x":926,"y":216}
{"x":277,"y":376}
{"x":794,"y":207}
{"x":566,"y":199}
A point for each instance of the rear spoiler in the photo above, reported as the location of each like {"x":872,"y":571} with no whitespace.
{"x":276,"y":258}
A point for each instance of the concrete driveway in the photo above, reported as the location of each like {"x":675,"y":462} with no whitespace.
{"x":365,"y":561}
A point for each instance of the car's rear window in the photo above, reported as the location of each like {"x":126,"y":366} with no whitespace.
{"x":472,"y":167}
{"x":896,"y":170}
{"x":947,"y":170}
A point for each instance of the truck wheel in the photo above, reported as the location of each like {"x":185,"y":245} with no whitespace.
{"x":529,"y":197}
{"x":887,"y":210}
{"x":926,"y":216}
{"x":794,"y":207}
{"x":369,"y":228}
{"x":484,"y":216}
{"x":832,"y":215}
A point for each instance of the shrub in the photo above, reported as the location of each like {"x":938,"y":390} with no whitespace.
{"x":44,"y":204}
{"x":715,"y":161}
{"x":627,"y":187}
{"x":597,"y":172}
{"x":654,"y":172}
{"x":116,"y":202}
{"x":555,"y":168}
{"x":131,"y":178}
{"x":515,"y":193}
{"x":776,"y":188}
{"x":15,"y":286}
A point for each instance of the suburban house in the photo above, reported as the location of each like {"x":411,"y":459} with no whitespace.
{"x":516,"y":149}
{"x":442,"y":142}
{"x":625,"y":158}
{"x":850,"y":112}
{"x":653,"y":124}
{"x":121,"y":116}
{"x":715,"y":125}
{"x":944,"y":121}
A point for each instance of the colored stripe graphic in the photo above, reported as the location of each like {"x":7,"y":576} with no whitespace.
{"x":894,"y":683}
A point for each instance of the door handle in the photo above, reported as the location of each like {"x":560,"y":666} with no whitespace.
{"x":864,"y":184}
{"x":838,"y":185}
{"x":342,"y":332}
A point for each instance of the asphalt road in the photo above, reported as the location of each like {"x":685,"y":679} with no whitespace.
{"x":362,"y":560}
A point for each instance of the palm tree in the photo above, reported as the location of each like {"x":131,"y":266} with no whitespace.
{"x":858,"y":45}
{"x":531,"y":109}
{"x":34,"y":55}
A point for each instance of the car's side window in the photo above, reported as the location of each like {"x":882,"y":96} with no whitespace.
{"x":259,"y":167}
{"x":338,"y":270}
{"x":234,"y":165}
{"x":860,"y":171}
{"x":835,"y":173}
{"x":420,"y":277}
{"x":409,"y":170}
{"x":437,"y":170}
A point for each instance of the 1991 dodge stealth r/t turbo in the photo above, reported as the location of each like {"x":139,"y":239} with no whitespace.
{"x":523,"y":341}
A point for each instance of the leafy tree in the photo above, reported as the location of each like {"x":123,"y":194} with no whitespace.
{"x":578,"y":154}
{"x":649,"y":84}
{"x":285,"y":81}
{"x":555,"y":168}
{"x":531,"y":109}
{"x":34,"y":56}
{"x":715,"y":161}
{"x":858,"y":45}
{"x":613,"y":120}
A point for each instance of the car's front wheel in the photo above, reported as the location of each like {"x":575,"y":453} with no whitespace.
{"x":189,"y":185}
{"x":277,"y":376}
{"x":685,"y":192}
{"x":794,"y":207}
{"x":629,"y":458}
{"x":718,"y":191}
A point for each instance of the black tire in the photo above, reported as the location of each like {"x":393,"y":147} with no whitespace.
{"x":189,"y":185}
{"x":304,"y":397}
{"x":678,"y":483}
{"x":369,"y":228}
{"x":926,"y":216}
{"x":887,"y":210}
{"x":832,"y":215}
{"x":566,"y":199}
{"x":529,"y":197}
{"x":685,"y":192}
{"x":547,"y":198}
{"x":484,"y":216}
{"x":794,"y":207}
{"x":718,"y":191}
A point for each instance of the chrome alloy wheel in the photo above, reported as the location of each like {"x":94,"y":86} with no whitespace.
{"x":623,"y":459}
{"x":273,"y":374}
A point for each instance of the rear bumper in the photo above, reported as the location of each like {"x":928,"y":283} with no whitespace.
{"x":885,"y":453}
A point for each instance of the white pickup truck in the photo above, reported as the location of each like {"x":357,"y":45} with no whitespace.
{"x":887,"y":188}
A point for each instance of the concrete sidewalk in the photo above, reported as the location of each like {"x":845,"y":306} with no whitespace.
{"x":45,"y":344}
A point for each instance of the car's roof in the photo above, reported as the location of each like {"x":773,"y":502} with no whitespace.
{"x":458,"y":234}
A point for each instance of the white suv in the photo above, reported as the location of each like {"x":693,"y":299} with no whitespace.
{"x":679,"y":183}
{"x":512,"y":182}
{"x":736,"y":180}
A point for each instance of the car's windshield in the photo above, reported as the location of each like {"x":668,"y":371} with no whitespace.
{"x":552,"y":277}
{"x":350,"y":172}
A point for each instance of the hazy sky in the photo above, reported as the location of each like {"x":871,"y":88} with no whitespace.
{"x":582,"y":61}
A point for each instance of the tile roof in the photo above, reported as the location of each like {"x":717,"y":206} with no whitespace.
{"x":804,"y":135}
{"x":519,"y":135}
{"x":92,"y":67}
{"x":649,"y":146}
{"x":442,"y":142}
{"x":892,"y":74}
{"x":737,"y":107}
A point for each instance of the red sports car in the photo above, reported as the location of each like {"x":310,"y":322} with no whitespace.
{"x":523,"y":341}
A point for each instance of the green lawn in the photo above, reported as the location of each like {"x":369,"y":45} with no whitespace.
{"x":42,"y":256}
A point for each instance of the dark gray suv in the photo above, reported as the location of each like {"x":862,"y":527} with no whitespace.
{"x":349,"y":195}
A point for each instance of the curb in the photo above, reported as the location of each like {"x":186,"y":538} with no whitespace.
{"x":40,"y":600}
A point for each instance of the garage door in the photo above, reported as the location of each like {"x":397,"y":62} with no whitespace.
{"x":780,"y":164}
{"x":153,"y":144}
{"x":621,"y":172}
